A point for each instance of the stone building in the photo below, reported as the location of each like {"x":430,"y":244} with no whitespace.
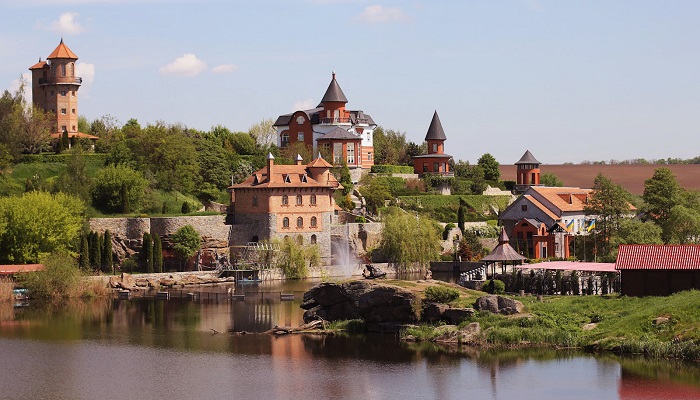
{"x":280,"y":201}
{"x":344,"y":134}
{"x":435,"y":161}
{"x":55,"y":89}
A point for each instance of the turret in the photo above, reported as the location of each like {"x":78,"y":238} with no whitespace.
{"x":528,"y":172}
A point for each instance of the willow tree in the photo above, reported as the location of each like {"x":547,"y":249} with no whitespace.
{"x":409,"y":240}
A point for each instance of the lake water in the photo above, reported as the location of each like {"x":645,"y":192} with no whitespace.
{"x":156,"y":349}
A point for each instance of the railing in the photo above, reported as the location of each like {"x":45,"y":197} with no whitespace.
{"x":60,"y":80}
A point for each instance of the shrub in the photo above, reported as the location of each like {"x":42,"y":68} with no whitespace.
{"x":446,"y":231}
{"x":360,"y":220}
{"x":392,"y":169}
{"x":186,"y":209}
{"x":59,"y":279}
{"x":440,"y":294}
{"x":494,"y":286}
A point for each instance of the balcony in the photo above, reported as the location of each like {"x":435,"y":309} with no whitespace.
{"x":63,"y":80}
{"x":334,"y":121}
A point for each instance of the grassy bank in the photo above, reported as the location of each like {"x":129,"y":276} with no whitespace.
{"x":659,"y":327}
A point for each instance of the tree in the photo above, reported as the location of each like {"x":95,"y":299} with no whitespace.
{"x":95,"y":250}
{"x":186,"y":242}
{"x":75,"y":179}
{"x":107,"y":261}
{"x":293,"y":258}
{"x":684,"y":225}
{"x":608,"y":205}
{"x":264,"y":132}
{"x":490,"y":166}
{"x":470,"y":248}
{"x":390,"y":147}
{"x":634,"y":231}
{"x":37,"y":224}
{"x":551,"y":180}
{"x":118,"y":188}
{"x":661,"y":193}
{"x":461,"y":216}
{"x":84,"y":260}
{"x":157,"y":254}
{"x":35,"y":126}
{"x":376,"y":192}
{"x":147,"y":252}
{"x":409,"y":240}
{"x":343,"y":176}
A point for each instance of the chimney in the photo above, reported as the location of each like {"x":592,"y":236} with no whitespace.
{"x":270,"y":163}
{"x":299,"y":159}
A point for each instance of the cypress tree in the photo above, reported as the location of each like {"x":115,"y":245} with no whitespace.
{"x":107,"y":252}
{"x":575,"y":284}
{"x":460,"y":216}
{"x":65,"y":141}
{"x":94,"y":249}
{"x":98,"y":250}
{"x":147,"y":252}
{"x":157,"y":254}
{"x":559,"y":282}
{"x":124,"y":197}
{"x":84,"y":253}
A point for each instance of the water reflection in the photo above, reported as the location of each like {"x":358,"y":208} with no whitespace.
{"x":149,"y":348}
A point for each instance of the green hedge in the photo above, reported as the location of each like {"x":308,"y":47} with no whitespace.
{"x":392,"y":169}
{"x":59,"y":158}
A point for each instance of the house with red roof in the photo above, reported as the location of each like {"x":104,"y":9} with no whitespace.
{"x":279,"y":201}
{"x":344,"y":134}
{"x":658,"y":269}
{"x":55,"y":89}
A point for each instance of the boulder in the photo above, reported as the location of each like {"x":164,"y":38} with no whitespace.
{"x":433,"y":312}
{"x":457,"y":315}
{"x":372,"y":302}
{"x":499,"y":305}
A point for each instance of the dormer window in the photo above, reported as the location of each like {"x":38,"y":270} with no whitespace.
{"x":287,"y":179}
{"x":302,"y":178}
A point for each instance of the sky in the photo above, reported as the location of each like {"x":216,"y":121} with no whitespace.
{"x":569,"y":80}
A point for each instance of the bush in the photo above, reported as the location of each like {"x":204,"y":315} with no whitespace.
{"x":392,"y":169}
{"x":494,"y":286}
{"x":185,"y":209}
{"x":440,"y":294}
{"x":59,"y":279}
{"x":446,"y":231}
{"x":360,"y":220}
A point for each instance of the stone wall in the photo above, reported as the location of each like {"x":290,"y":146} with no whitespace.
{"x":361,"y":237}
{"x":128,"y":232}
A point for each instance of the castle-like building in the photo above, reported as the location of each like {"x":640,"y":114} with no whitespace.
{"x":344,"y":134}
{"x":280,"y":201}
{"x":435,"y":161}
{"x":55,"y":89}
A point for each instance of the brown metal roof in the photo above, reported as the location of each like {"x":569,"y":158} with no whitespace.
{"x":334,"y":93}
{"x":62,"y":51}
{"x":39,"y":65}
{"x":658,"y":256}
{"x":527,"y":158}
{"x":504,"y":251}
{"x":435,"y":131}
{"x":339,"y":133}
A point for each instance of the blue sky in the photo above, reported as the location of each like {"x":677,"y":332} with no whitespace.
{"x":568,"y":80}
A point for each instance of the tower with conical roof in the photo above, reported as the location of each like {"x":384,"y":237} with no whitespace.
{"x":435,"y":161}
{"x":528,"y":172}
{"x":55,"y":88}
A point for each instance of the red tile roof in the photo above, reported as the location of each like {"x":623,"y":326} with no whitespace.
{"x":658,"y":256}
{"x":14,"y":269}
{"x":62,"y":51}
{"x":39,"y":65}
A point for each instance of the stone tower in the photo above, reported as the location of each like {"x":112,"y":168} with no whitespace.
{"x":55,"y":88}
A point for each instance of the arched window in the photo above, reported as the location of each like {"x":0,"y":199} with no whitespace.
{"x":285,"y":200}
{"x":285,"y":222}
{"x":299,"y":200}
{"x":312,"y":199}
{"x":313,"y":222}
{"x":300,"y":222}
{"x":313,"y":239}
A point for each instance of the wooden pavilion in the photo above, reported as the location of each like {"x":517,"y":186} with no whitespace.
{"x":503,"y":253}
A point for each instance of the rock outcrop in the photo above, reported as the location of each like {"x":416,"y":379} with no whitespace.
{"x":499,"y":305}
{"x":434,"y":312}
{"x":375,"y":303}
{"x":128,"y":282}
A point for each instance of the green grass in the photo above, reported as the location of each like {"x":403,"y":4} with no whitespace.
{"x":625,"y":325}
{"x":445,"y":208}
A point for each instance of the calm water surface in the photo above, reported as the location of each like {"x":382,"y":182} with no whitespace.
{"x":153,"y":349}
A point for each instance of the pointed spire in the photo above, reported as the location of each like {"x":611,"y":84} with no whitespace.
{"x":270,"y":156}
{"x":503,"y":237}
{"x":62,"y":51}
{"x":435,"y":131}
{"x":527,"y":158}
{"x":334,"y":93}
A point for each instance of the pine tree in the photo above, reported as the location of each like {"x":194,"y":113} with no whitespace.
{"x":157,"y":254}
{"x":147,"y":252}
{"x":84,"y":253}
{"x":94,"y":250}
{"x":107,"y":252}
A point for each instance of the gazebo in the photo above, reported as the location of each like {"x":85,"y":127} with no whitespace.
{"x":503,"y":253}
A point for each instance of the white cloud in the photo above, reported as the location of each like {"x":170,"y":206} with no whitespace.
{"x":303,"y":105}
{"x":66,"y":24}
{"x":224,"y":68}
{"x":85,"y":71}
{"x":187,"y":65}
{"x":377,"y":14}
